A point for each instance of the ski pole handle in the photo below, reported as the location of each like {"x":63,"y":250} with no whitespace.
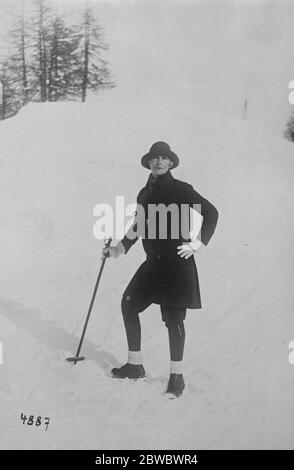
{"x":107,"y":243}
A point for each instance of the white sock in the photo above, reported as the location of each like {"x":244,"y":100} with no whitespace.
{"x":135,"y":357}
{"x":176,"y":367}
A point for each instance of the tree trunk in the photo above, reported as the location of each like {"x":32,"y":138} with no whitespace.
{"x":86,"y":54}
{"x":53,"y":66}
{"x":42,"y":54}
{"x":24,"y":68}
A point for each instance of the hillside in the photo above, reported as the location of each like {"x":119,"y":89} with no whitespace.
{"x":57,"y":162}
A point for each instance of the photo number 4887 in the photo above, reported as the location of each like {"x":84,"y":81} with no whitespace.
{"x":37,"y":421}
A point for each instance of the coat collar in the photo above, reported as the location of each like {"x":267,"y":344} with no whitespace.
{"x":163,"y":181}
{"x":159,"y":189}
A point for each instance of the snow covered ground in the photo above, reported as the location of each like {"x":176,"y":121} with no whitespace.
{"x":57,"y":162}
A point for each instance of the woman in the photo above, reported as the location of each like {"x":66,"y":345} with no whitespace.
{"x":169,"y":276}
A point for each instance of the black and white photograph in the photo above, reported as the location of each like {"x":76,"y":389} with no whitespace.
{"x":147,"y":226}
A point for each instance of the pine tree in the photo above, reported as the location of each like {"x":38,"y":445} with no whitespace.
{"x":92,"y":69}
{"x":53,"y":59}
{"x":40,"y":34}
{"x":23,"y":50}
{"x":14,"y":72}
{"x":11,"y":87}
{"x":63,"y":44}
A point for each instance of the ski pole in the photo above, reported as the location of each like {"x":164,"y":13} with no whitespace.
{"x":77,"y":357}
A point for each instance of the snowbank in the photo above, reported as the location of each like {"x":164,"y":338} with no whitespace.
{"x":57,"y":162}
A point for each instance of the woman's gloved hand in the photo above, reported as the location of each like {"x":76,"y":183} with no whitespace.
{"x":188,"y":249}
{"x":113,"y":251}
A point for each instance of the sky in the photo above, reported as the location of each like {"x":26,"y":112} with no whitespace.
{"x":217,"y":53}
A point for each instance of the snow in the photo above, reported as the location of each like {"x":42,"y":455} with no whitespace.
{"x":183,"y":75}
{"x":57,"y":162}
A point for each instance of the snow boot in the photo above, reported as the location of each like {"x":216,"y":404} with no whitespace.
{"x":128,"y":371}
{"x":175,"y":385}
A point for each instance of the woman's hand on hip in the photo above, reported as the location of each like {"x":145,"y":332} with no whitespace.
{"x":188,"y":249}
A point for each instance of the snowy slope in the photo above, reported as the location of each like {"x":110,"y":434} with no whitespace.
{"x":57,"y":162}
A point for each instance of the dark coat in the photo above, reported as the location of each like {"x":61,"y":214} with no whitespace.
{"x":165,"y":278}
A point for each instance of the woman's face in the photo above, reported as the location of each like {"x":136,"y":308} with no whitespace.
{"x":160,"y":165}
